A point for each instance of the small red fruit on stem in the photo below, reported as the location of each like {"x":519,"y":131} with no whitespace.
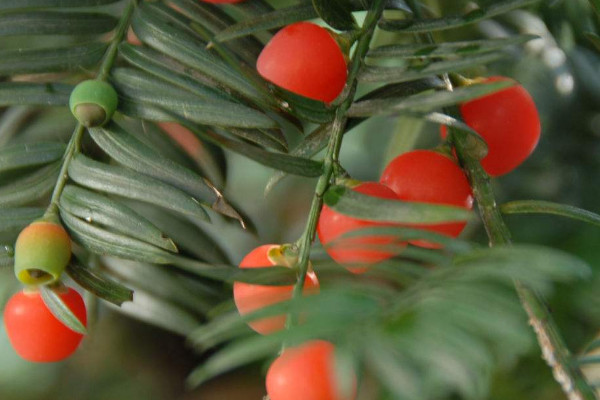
{"x":427,"y":176}
{"x":249,"y":297}
{"x":508,"y":121}
{"x":35,"y":333}
{"x":306,"y":372}
{"x":305,"y":59}
{"x":356,"y":253}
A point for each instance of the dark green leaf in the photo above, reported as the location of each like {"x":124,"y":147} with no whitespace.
{"x":189,"y":237}
{"x":303,"y":107}
{"x":31,"y":187}
{"x":172,"y":71}
{"x":35,"y":94}
{"x":275,"y":19}
{"x":127,"y":183}
{"x":405,"y":234}
{"x":317,"y":140}
{"x":594,"y":39}
{"x":195,"y":295}
{"x":13,"y":220}
{"x":281,"y":161}
{"x":212,"y":20}
{"x":132,"y":153}
{"x":425,"y":101}
{"x":154,"y":30}
{"x":437,"y":24}
{"x":6,"y":256}
{"x":474,"y":144}
{"x":447,"y":49}
{"x":29,"y":155}
{"x":268,"y":275}
{"x":525,"y":263}
{"x":103,"y":242}
{"x":142,"y":87}
{"x":336,"y":13}
{"x":29,"y":61}
{"x":547,"y":207}
{"x":95,"y":282}
{"x":98,"y":209}
{"x":349,"y":202}
{"x":25,"y":4}
{"x":55,"y":23}
{"x":60,"y":310}
{"x":154,"y":310}
{"x":404,"y":74}
{"x":147,"y":110}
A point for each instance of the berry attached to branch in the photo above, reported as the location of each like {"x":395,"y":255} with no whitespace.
{"x":305,"y":59}
{"x":508,"y":121}
{"x":93,"y":102}
{"x":356,"y":253}
{"x":42,"y":252}
{"x":249,"y":297}
{"x":306,"y":372}
{"x":429,"y":177}
{"x":35,"y":333}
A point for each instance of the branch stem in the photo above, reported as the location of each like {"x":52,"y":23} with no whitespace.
{"x":74,"y":143}
{"x":333,"y":149}
{"x":554,"y":350}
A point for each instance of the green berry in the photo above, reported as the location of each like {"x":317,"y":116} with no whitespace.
{"x":42,"y":252}
{"x":93,"y":102}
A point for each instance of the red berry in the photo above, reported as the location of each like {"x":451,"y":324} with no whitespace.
{"x":508,"y":121}
{"x":35,"y":333}
{"x":249,"y":297}
{"x":429,"y":177}
{"x":355,"y":250}
{"x":306,"y":372}
{"x":305,"y":59}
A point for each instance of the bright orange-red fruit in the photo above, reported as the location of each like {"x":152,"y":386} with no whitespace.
{"x":35,"y":333}
{"x":509,"y":122}
{"x":249,"y":297}
{"x":427,"y":176}
{"x":356,"y":253}
{"x":306,"y":372}
{"x":305,"y":59}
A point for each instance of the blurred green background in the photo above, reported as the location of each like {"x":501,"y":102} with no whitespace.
{"x":127,"y":359}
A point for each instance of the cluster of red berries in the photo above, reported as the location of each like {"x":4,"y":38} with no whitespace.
{"x":42,"y":251}
{"x":306,"y":59}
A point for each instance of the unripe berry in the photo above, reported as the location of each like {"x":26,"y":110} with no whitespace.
{"x":93,"y":102}
{"x":35,"y":333}
{"x":306,"y":372}
{"x":305,"y":59}
{"x":356,"y":253}
{"x":42,"y":251}
{"x":429,"y":177}
{"x":249,"y":297}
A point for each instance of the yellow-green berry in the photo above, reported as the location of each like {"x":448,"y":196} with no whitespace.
{"x":42,"y":252}
{"x":93,"y":102}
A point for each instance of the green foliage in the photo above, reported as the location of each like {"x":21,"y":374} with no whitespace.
{"x":152,"y":220}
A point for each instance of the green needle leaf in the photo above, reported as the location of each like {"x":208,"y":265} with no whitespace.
{"x":61,"y":311}
{"x":95,"y":282}
{"x":349,"y":202}
{"x":547,"y":207}
{"x":336,"y":13}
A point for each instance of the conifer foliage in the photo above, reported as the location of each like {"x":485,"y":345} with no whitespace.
{"x":98,"y":96}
